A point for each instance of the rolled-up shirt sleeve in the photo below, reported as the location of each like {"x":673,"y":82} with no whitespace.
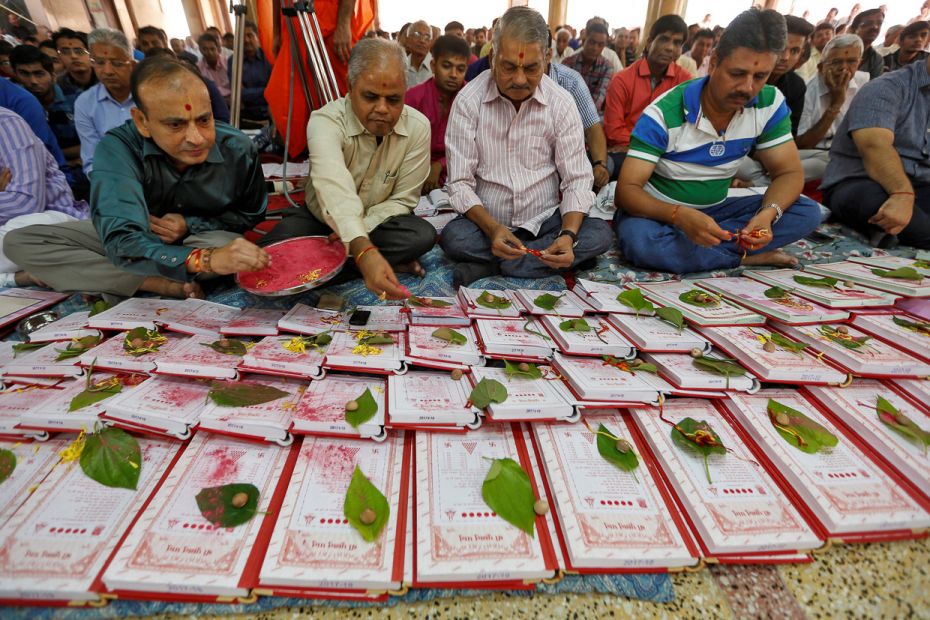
{"x":462,"y":154}
{"x":571,"y":162}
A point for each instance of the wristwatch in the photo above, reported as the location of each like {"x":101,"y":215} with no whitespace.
{"x":600,"y":163}
{"x":778,"y":210}
{"x":568,"y":233}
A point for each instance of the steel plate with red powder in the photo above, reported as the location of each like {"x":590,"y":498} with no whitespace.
{"x":297,"y":265}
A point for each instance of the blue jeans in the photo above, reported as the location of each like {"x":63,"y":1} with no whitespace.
{"x":463,"y":241}
{"x":656,"y":245}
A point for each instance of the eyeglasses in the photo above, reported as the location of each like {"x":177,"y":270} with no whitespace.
{"x":116,"y":64}
{"x":422,"y":35}
{"x":73,"y":51}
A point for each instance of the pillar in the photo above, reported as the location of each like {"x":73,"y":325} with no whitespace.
{"x":658,"y":8}
{"x":558,"y":12}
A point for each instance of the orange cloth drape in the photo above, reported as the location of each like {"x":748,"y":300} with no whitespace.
{"x":276,"y":93}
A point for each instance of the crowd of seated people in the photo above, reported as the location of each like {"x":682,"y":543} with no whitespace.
{"x":119,"y":172}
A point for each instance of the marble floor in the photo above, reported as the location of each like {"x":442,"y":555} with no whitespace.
{"x":888,"y":580}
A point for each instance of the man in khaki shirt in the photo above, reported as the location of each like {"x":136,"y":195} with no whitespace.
{"x":367,"y":196}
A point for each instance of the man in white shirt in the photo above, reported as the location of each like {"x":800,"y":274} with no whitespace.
{"x":419,"y":40}
{"x":701,"y":47}
{"x":562,"y":49}
{"x":828,"y":97}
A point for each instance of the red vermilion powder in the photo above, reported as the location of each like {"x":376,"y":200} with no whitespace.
{"x":292,"y":259}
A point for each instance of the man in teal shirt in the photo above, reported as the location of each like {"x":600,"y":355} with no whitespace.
{"x":170,"y":195}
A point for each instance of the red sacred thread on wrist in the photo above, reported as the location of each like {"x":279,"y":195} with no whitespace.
{"x":193,"y":260}
{"x":359,"y":256}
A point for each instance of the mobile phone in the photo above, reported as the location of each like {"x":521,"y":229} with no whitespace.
{"x":360,"y":317}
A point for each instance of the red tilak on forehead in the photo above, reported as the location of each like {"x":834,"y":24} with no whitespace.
{"x":187,"y":107}
{"x":520,"y":55}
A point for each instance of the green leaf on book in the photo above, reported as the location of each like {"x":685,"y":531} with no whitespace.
{"x":919,"y":327}
{"x":139,"y":341}
{"x":616,"y":450}
{"x":23,"y":347}
{"x":727,"y":368}
{"x":374,"y":338}
{"x":776,"y":292}
{"x":487,"y":391}
{"x":547,"y":301}
{"x":243,"y":393}
{"x":901,"y":273}
{"x":7,"y":464}
{"x":826,"y":282}
{"x":228,"y":505}
{"x":787,"y":343}
{"x":901,"y":424}
{"x":450,"y":335}
{"x":699,"y":298}
{"x":673,"y":316}
{"x":77,"y":347}
{"x":633,"y":298}
{"x":700,"y":437}
{"x":98,"y":306}
{"x":840,"y":335}
{"x":365,"y":506}
{"x":799,"y":430}
{"x":575,"y":325}
{"x":112,"y":457}
{"x":96,"y":392}
{"x":365,"y":409}
{"x":492,"y":301}
{"x":228,"y":346}
{"x":508,"y":492}
{"x":522,"y":369}
{"x":530,"y":330}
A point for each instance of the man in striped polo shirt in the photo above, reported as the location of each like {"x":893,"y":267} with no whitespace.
{"x":673,"y":210}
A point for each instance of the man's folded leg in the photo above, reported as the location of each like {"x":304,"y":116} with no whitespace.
{"x":855,"y":201}
{"x":70,"y":258}
{"x":403,"y":238}
{"x":299,"y":223}
{"x":654,"y":245}
{"x":594,"y":238}
{"x":466,"y":244}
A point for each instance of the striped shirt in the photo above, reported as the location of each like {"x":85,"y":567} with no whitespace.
{"x":513,"y":163}
{"x":571,"y":80}
{"x":37,"y":183}
{"x":695,"y":164}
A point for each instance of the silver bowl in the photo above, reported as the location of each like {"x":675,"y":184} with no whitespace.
{"x":36,"y":321}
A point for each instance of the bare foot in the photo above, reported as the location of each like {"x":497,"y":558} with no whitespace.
{"x":24,"y":278}
{"x":171,"y":288}
{"x":413,"y":267}
{"x":775,"y":258}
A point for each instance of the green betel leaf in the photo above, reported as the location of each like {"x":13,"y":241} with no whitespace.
{"x":727,"y":368}
{"x":609,"y":446}
{"x":139,"y":341}
{"x":787,"y":343}
{"x":833,"y":334}
{"x":633,"y":298}
{"x":7,"y":464}
{"x":23,"y":347}
{"x":799,"y":430}
{"x":575,"y":325}
{"x":228,"y":505}
{"x":450,"y":335}
{"x":377,"y":338}
{"x":228,"y":346}
{"x":94,"y":394}
{"x":320,"y":340}
{"x":426,"y":302}
{"x":77,"y":347}
{"x":776,"y":292}
{"x":112,"y":457}
{"x":700,"y":437}
{"x":508,"y":492}
{"x":522,"y":369}
{"x":366,"y":408}
{"x":644,"y":367}
{"x":487,"y":391}
{"x":98,"y":307}
{"x":915,"y":326}
{"x":673,"y":316}
{"x":243,"y":394}
{"x":901,"y":424}
{"x":547,"y":301}
{"x":365,"y":506}
{"x":492,"y":301}
{"x":535,"y":332}
{"x":901,"y":273}
{"x":699,"y":298}
{"x":816,"y":282}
